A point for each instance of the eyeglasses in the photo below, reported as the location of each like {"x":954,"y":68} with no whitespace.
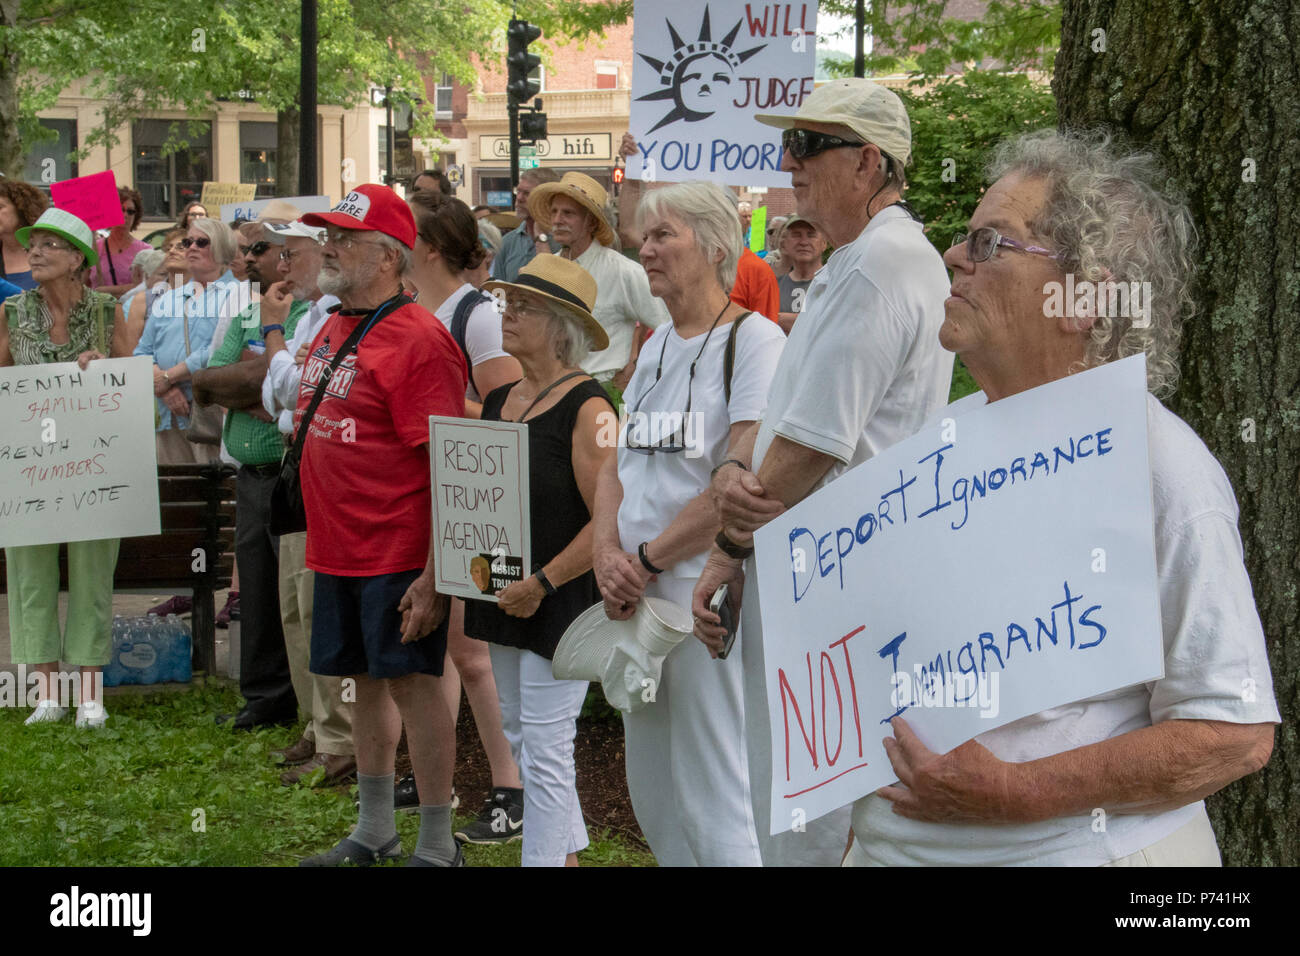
{"x":345,"y":240}
{"x":288,"y":255}
{"x":982,"y":243}
{"x":256,"y":249}
{"x":178,"y":244}
{"x":675,"y":442}
{"x":48,"y":244}
{"x":202,"y":242}
{"x":519,"y":306}
{"x":803,"y":143}
{"x":128,"y":211}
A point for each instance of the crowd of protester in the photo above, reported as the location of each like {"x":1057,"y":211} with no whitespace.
{"x":749,"y":382}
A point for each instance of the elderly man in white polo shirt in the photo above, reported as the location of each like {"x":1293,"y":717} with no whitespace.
{"x":862,"y":369}
{"x":573,"y":211}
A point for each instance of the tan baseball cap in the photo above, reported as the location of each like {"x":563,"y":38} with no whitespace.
{"x":872,"y":111}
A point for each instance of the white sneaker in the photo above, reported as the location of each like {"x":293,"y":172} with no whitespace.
{"x":45,"y":712}
{"x":91,"y":715}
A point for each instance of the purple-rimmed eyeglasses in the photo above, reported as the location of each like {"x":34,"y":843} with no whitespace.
{"x":982,"y":243}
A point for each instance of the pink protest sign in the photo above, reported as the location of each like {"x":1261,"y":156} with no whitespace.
{"x":92,"y":198}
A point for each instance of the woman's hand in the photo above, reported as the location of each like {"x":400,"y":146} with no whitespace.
{"x":85,"y":358}
{"x":621,"y":578}
{"x":160,"y":382}
{"x":521,"y":598}
{"x":718,"y":570}
{"x":176,"y":402}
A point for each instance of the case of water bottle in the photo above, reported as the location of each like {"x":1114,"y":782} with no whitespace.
{"x":149,"y":650}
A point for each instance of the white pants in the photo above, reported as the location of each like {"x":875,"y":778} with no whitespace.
{"x":687,"y":769}
{"x":539,"y":717}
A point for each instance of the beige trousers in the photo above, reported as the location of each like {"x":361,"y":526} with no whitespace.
{"x":330,"y":725}
{"x":175,"y":449}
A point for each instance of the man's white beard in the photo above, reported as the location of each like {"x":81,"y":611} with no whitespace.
{"x":333,"y":282}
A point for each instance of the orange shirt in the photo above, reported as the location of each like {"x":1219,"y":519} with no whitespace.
{"x":756,"y":287}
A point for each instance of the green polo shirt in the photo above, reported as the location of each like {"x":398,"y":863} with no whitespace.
{"x":249,"y":441}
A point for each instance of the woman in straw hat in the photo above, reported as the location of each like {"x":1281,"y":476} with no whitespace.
{"x":548,"y":326}
{"x":686,"y":765}
{"x":62,"y":321}
{"x":573,"y":212}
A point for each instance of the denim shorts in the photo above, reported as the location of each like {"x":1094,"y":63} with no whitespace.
{"x":357,"y":629}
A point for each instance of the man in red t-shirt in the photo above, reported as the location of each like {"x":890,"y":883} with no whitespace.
{"x":756,"y":287}
{"x":365,"y":483}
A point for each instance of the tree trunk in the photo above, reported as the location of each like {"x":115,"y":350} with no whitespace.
{"x":288,"y":133}
{"x":1211,"y":88}
{"x":11,"y":147}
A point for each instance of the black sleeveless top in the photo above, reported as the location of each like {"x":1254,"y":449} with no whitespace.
{"x":557,"y":513}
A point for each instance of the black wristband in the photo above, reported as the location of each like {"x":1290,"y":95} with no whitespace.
{"x":277,"y":327}
{"x":730,"y":548}
{"x":729,"y":461}
{"x":645,"y":561}
{"x":545,"y":582}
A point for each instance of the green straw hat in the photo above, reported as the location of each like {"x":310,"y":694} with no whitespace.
{"x":65,"y":225}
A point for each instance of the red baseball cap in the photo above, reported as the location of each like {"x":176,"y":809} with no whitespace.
{"x":372,"y":207}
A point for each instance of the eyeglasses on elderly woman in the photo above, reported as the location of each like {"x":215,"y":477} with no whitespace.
{"x":982,"y":243}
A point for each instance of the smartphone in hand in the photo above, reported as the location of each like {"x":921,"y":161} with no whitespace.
{"x":719,"y":606}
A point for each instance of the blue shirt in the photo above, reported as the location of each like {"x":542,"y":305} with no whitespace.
{"x":164,"y":331}
{"x":7,"y":289}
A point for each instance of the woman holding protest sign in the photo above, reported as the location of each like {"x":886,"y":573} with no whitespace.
{"x":701,"y":380}
{"x":62,"y":321}
{"x":548,"y":326}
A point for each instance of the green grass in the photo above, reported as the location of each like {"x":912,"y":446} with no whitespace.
{"x":127,"y":795}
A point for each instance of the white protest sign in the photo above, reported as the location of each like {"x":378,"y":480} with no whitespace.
{"x":699,"y":77}
{"x":994,"y":565}
{"x":480,"y":505}
{"x":77,"y":459}
{"x":252,"y":208}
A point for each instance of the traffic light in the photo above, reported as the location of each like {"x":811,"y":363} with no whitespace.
{"x":520,"y":63}
{"x":532,"y":126}
{"x":617,"y":176}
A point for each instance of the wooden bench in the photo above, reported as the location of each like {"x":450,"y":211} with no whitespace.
{"x":194,"y":550}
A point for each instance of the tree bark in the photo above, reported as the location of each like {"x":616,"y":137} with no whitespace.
{"x":11,"y":147}
{"x":288,"y":133}
{"x":1211,"y":87}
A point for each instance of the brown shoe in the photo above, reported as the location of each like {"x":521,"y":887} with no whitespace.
{"x":338,"y":768}
{"x":299,"y":753}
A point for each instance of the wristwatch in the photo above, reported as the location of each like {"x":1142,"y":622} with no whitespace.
{"x":268,"y":329}
{"x":730,"y":548}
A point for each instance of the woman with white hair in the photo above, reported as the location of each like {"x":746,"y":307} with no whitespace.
{"x":178,"y":333}
{"x":549,"y":327}
{"x":702,"y":380}
{"x":1078,"y":205}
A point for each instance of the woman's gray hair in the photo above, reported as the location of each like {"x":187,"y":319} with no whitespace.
{"x":710,"y":211}
{"x":403,"y":252}
{"x":148,"y":261}
{"x":570,"y":341}
{"x":1111,"y":215}
{"x":223,"y":240}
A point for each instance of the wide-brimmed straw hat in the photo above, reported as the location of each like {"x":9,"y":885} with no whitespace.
{"x":66,"y":226}
{"x":626,"y":657}
{"x":583,"y":190}
{"x":562,"y":281}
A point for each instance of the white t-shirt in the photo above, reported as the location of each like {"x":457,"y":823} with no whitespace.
{"x":283,"y":375}
{"x":864,"y":368}
{"x":482,"y":332}
{"x":1214,"y":644}
{"x":623,"y":298}
{"x":656,"y":487}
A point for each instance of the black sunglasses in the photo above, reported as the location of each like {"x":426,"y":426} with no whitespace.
{"x":256,"y":249}
{"x":802,"y":143}
{"x":202,"y":242}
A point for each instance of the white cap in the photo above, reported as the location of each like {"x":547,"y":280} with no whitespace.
{"x":277,"y":232}
{"x":872,"y":111}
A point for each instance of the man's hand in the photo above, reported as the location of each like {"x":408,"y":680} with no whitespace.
{"x":256,"y":410}
{"x":966,"y":785}
{"x":275,"y":303}
{"x":718,"y":570}
{"x":621,"y":578}
{"x":627,"y":147}
{"x":422,"y":609}
{"x":176,"y":402}
{"x":302,"y":353}
{"x":521,"y":598}
{"x":624,"y":375}
{"x":741,"y":503}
